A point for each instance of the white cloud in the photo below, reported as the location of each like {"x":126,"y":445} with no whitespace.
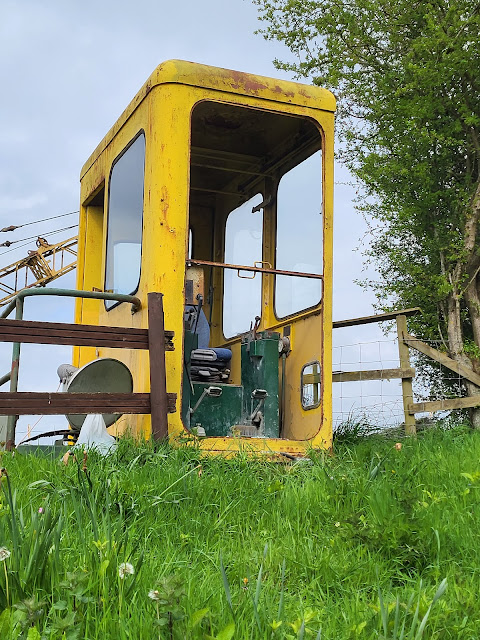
{"x":67,"y":71}
{"x":10,"y":204}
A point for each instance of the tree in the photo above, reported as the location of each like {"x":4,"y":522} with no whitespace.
{"x":408,"y":88}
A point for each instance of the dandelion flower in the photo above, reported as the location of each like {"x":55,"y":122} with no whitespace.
{"x":4,"y":554}
{"x":398,"y":446}
{"x":154,"y":594}
{"x":125,"y":569}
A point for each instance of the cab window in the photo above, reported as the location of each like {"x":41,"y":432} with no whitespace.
{"x":299,"y":236}
{"x":242,"y":291}
{"x":125,"y":221}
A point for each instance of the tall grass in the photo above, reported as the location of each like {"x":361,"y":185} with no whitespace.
{"x":163,"y":543}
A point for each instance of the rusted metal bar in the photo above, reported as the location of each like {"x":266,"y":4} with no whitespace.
{"x":380,"y":317}
{"x":224,"y":193}
{"x":242,"y":267}
{"x":26,"y":403}
{"x":77,"y":334}
{"x":158,"y":379}
{"x":5,"y":378}
{"x":231,"y":169}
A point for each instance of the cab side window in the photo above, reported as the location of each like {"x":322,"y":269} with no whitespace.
{"x":299,"y":236}
{"x":125,"y":221}
{"x":242,"y":293}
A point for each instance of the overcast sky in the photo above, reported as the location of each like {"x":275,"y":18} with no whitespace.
{"x":67,"y":71}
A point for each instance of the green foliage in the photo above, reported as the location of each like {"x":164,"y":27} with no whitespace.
{"x":406,"y":78}
{"x":413,"y":625}
{"x":353,"y":427}
{"x":350,"y":546}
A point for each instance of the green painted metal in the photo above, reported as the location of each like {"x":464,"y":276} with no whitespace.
{"x":46,"y":450}
{"x":190,"y":343}
{"x":217,"y":415}
{"x":70,"y":293}
{"x":236,"y":407}
{"x":12,"y":420}
{"x":260,"y":371}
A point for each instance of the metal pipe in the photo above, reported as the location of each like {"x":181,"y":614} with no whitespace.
{"x":254,"y":269}
{"x":8,"y":309}
{"x":75,"y":293}
{"x":18,"y":304}
{"x":282,"y":396}
{"x":12,"y":420}
{"x":71,"y":293}
{"x":4,"y":379}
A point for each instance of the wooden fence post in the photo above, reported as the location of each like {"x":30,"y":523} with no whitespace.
{"x":158,"y":384}
{"x":407,"y":389}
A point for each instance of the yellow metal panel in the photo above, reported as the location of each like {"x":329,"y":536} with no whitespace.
{"x":162,"y":109}
{"x":306,"y":343}
{"x":222,"y":80}
{"x":324,"y":436}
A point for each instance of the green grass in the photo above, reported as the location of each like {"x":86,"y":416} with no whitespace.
{"x":357,"y":545}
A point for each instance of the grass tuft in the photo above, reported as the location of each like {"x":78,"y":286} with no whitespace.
{"x":153,"y":542}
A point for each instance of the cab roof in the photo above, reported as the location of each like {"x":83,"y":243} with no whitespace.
{"x":226,"y":80}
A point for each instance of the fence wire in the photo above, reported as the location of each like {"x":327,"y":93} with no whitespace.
{"x":379,"y":403}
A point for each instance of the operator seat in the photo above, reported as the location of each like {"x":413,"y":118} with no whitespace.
{"x":206,"y":364}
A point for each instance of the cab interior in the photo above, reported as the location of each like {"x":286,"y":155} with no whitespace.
{"x":255,"y":224}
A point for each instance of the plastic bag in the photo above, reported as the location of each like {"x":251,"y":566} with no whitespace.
{"x":94,"y":435}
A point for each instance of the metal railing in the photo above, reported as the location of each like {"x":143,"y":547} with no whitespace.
{"x":158,"y":403}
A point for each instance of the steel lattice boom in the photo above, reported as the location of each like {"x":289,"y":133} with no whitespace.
{"x":48,"y":262}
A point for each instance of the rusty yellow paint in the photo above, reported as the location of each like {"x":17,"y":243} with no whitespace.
{"x":162,"y":110}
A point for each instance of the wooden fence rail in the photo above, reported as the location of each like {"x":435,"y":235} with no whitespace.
{"x":406,"y":373}
{"x":158,"y":403}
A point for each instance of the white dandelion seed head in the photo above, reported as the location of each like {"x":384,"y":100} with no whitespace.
{"x":125,"y":569}
{"x":154,"y":594}
{"x":4,"y":554}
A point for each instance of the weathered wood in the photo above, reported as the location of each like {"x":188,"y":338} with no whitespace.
{"x":26,"y":403}
{"x":158,"y":378}
{"x":407,"y":387}
{"x":77,"y":335}
{"x":442,"y":358}
{"x":370,"y":374}
{"x":380,"y":317}
{"x":444,"y":405}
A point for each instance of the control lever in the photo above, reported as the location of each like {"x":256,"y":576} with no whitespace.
{"x":199,"y":308}
{"x":258,"y":394}
{"x":212,"y":392}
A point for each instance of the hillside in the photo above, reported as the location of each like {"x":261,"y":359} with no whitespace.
{"x":165,"y":544}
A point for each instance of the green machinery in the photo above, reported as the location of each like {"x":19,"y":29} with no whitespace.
{"x":250,"y":409}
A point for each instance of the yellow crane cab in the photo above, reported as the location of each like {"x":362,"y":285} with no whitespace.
{"x":215,"y":188}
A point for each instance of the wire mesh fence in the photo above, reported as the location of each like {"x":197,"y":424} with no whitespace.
{"x":379,"y":403}
{"x":376,"y":402}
